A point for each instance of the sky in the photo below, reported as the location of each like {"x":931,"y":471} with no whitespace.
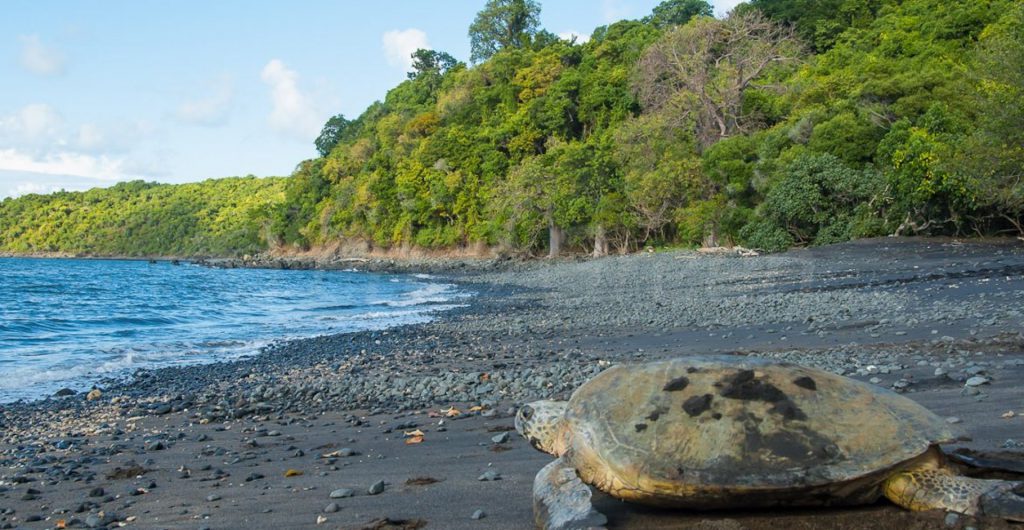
{"x":93,"y":92}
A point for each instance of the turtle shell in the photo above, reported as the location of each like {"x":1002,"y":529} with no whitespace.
{"x":725,"y":424}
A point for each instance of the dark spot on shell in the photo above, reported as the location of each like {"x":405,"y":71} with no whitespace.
{"x":805,"y":382}
{"x":788,"y":410}
{"x":676,"y":384}
{"x":656,"y":413}
{"x":640,"y":427}
{"x":744,"y":386}
{"x":696,"y":405}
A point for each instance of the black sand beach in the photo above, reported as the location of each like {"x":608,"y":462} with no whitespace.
{"x":275,"y":441}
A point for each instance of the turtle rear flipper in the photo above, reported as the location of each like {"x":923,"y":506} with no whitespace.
{"x":561,"y":501}
{"x":935,"y":488}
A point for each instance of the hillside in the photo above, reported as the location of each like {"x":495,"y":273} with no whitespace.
{"x":219,"y":217}
{"x":789,"y":122}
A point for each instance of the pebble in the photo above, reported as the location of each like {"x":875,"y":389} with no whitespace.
{"x":479,"y":514}
{"x":501,"y":438}
{"x":332,"y":507}
{"x":489,"y":476}
{"x":977,"y":381}
{"x":213,"y":497}
{"x":953,"y":420}
{"x":952,"y":519}
{"x":342,"y":493}
{"x":874,"y":380}
{"x":376,"y":488}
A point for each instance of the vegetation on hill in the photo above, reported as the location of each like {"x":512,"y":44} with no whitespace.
{"x":786,"y":122}
{"x":217,"y":217}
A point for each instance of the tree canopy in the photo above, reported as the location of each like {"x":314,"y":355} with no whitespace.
{"x":785,"y":123}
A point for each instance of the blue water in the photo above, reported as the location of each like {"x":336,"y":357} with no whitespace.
{"x":69,"y":323}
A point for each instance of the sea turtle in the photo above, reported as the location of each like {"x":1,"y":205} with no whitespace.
{"x":730,"y":431}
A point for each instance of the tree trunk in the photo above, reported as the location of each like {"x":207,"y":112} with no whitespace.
{"x":555,"y":237}
{"x":711,"y":240}
{"x":600,"y":242}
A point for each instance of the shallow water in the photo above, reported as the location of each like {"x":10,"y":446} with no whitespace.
{"x":68,"y":323}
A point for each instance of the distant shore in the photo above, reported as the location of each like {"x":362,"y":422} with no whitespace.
{"x":917,"y":316}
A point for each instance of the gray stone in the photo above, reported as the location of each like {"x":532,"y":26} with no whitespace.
{"x":332,"y":507}
{"x":479,"y":514}
{"x":489,"y":476}
{"x":376,"y":488}
{"x":501,"y":438}
{"x":342,"y":493}
{"x":977,"y":381}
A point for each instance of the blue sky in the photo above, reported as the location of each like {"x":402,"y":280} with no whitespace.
{"x":99,"y":91}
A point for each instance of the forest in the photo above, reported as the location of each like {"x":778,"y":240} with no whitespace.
{"x":786,"y":122}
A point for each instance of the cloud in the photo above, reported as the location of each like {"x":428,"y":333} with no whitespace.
{"x":400,"y":44}
{"x":211,"y":110}
{"x":99,"y":167}
{"x":722,"y":7}
{"x":16,"y":183}
{"x":40,"y":59}
{"x":570,"y":34}
{"x":32,"y":124}
{"x":615,"y":10}
{"x":294,"y":111}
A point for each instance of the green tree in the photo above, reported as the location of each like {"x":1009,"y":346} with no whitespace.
{"x":425,"y":62}
{"x":332,"y":133}
{"x":678,"y":12}
{"x":503,"y":24}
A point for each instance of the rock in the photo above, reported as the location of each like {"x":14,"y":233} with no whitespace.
{"x":952,"y":519}
{"x":332,"y":507}
{"x":489,"y":476}
{"x":953,"y":420}
{"x":96,"y":492}
{"x":253,"y":476}
{"x":874,"y":380}
{"x":321,"y":519}
{"x":213,"y":497}
{"x":940,"y":372}
{"x":479,"y":514}
{"x":376,"y":488}
{"x":93,"y":395}
{"x":64,"y":392}
{"x":977,"y":381}
{"x":342,"y":493}
{"x":501,"y":438}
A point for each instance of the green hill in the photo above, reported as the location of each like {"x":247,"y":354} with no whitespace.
{"x":788,"y":122}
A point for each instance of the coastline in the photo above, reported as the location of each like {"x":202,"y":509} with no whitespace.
{"x":535,"y":330}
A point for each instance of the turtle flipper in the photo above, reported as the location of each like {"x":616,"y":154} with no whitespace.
{"x":561,"y":501}
{"x":935,"y":488}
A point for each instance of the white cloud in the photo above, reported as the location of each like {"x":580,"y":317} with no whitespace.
{"x":570,"y":34}
{"x":40,"y":59}
{"x":64,"y":163}
{"x":400,"y":44}
{"x":615,"y":10}
{"x":33,"y":123}
{"x":722,"y":7}
{"x":294,"y":111}
{"x":212,"y":109}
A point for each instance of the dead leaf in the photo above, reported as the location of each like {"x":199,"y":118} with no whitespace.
{"x":476,"y":408}
{"x":1009,"y":414}
{"x":485,"y":376}
{"x":417,"y":432}
{"x":293,"y":473}
{"x":414,"y":440}
{"x":61,"y":523}
{"x":335,"y":454}
{"x":452,"y":412}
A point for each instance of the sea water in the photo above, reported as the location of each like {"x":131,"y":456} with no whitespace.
{"x":71,"y":322}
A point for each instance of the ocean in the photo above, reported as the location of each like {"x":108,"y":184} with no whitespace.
{"x":69,"y":323}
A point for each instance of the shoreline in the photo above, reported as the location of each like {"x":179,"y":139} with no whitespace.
{"x":907,"y":309}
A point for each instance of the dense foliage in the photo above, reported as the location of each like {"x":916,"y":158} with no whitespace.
{"x":218,"y":217}
{"x":786,"y":122}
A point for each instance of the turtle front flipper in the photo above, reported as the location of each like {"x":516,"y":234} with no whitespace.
{"x":561,"y":501}
{"x":929,"y":487}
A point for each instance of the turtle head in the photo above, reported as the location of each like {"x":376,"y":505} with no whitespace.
{"x":541,"y":423}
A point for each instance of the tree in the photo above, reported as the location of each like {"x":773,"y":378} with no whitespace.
{"x":678,"y":12}
{"x":700,"y":72}
{"x":430,"y":62}
{"x":503,"y":24}
{"x":332,"y":133}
